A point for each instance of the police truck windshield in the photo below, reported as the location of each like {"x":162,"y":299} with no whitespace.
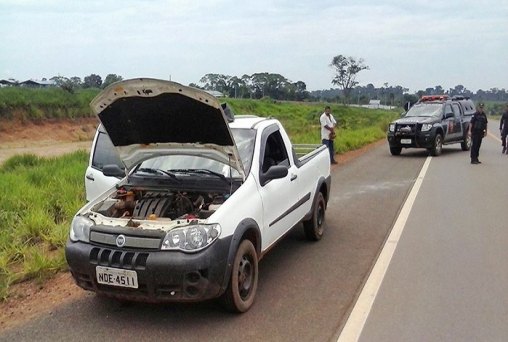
{"x":425,"y":110}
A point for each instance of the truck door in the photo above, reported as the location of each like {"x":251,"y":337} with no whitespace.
{"x":459,"y":125}
{"x":452,"y":122}
{"x":102,"y":153}
{"x":281,"y":210}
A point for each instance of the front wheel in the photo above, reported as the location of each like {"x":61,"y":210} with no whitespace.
{"x":243,"y":283}
{"x":466,"y":143}
{"x":314,"y":226}
{"x":437,"y":148}
{"x":395,"y":151}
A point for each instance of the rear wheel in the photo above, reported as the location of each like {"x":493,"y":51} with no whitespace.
{"x":243,"y":283}
{"x":437,"y":148}
{"x":314,"y":226}
{"x":466,"y":143}
{"x":395,"y":151}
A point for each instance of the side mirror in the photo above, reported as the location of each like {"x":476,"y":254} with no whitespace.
{"x":448,"y":115}
{"x":113,"y":170}
{"x":274,"y":172}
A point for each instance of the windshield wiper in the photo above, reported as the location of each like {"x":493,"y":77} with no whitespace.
{"x":156,"y":171}
{"x":202,"y":171}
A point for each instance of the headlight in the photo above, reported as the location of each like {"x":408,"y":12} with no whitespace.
{"x":391,"y":128}
{"x":80,"y":229}
{"x":426,"y":127}
{"x":191,"y":238}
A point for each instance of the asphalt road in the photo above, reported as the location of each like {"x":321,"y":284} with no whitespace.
{"x":306,"y":290}
{"x":447,"y":280}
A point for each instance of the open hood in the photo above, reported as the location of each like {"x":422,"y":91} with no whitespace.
{"x":147,"y":117}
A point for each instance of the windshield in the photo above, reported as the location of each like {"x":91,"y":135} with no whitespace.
{"x":244,"y":139}
{"x":425,"y":109}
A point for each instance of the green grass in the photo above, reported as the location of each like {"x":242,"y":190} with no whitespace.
{"x":39,"y":196}
{"x":356,"y":126}
{"x":44,"y":103}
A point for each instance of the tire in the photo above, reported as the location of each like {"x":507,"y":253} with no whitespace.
{"x":465,"y":145}
{"x":438,"y":146}
{"x":243,"y":282}
{"x":314,"y":228}
{"x":395,"y":151}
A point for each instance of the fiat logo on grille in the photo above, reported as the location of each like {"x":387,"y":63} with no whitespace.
{"x":120,"y":240}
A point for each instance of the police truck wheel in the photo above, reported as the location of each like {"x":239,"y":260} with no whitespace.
{"x":243,"y":282}
{"x":438,"y":146}
{"x":466,"y":144}
{"x":314,"y":226}
{"x":395,"y":151}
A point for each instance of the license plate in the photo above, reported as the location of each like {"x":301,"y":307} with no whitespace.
{"x":116,"y":277}
{"x":405,"y":141}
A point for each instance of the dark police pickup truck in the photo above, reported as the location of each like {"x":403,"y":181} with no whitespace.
{"x":432,"y":122}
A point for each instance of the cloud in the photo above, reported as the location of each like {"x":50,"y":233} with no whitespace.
{"x":413,"y":44}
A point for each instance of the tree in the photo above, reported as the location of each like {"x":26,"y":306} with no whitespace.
{"x":216,"y":82}
{"x":346,"y":69}
{"x":301,"y":92}
{"x":59,"y":80}
{"x":92,"y":81}
{"x":110,"y":79}
{"x":64,"y":83}
{"x":235,"y":85}
{"x":75,"y":81}
{"x":194,"y":85}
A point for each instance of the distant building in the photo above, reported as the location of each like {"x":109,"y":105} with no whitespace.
{"x":215,"y":93}
{"x":8,"y":83}
{"x":374,"y":103}
{"x":37,"y":84}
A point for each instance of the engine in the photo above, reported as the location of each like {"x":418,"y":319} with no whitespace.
{"x":151,"y":205}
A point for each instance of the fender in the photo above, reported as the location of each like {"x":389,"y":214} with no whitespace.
{"x":246,"y":226}
{"x":326,"y":182}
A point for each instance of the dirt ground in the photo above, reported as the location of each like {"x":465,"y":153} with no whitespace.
{"x":45,"y":138}
{"x":30,"y":299}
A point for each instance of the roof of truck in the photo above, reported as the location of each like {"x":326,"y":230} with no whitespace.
{"x":248,"y":121}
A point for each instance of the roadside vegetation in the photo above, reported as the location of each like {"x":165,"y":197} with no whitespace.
{"x":39,"y":198}
{"x":356,"y":126}
{"x":41,"y":195}
{"x":44,"y":103}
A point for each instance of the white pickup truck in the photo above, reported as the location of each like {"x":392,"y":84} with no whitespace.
{"x":201,"y":196}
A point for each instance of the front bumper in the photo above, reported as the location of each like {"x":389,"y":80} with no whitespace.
{"x":419,"y":140}
{"x":163,"y":276}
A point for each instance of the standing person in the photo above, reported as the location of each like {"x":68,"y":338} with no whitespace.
{"x":328,"y":124}
{"x":477,"y":130}
{"x":503,"y":128}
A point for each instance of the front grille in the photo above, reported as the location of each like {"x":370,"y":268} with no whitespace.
{"x":120,"y":259}
{"x":130,"y":241}
{"x":406,"y":129}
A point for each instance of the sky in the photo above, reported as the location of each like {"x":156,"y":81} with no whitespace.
{"x":414,"y":44}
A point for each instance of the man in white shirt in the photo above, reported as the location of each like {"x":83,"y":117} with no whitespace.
{"x":328,"y":124}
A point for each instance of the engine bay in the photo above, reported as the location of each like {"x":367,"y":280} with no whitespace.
{"x":150,"y":204}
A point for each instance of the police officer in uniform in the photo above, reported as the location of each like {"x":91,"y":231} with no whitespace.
{"x":477,"y":130}
{"x":503,"y":128}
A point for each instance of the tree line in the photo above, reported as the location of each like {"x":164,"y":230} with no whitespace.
{"x":90,"y":81}
{"x":278,"y":87}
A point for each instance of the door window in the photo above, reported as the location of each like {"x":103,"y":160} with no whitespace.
{"x":456,"y":110}
{"x":448,"y":110}
{"x":105,"y":153}
{"x":275,"y":152}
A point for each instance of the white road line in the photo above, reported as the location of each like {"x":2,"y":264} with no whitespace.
{"x":356,"y":321}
